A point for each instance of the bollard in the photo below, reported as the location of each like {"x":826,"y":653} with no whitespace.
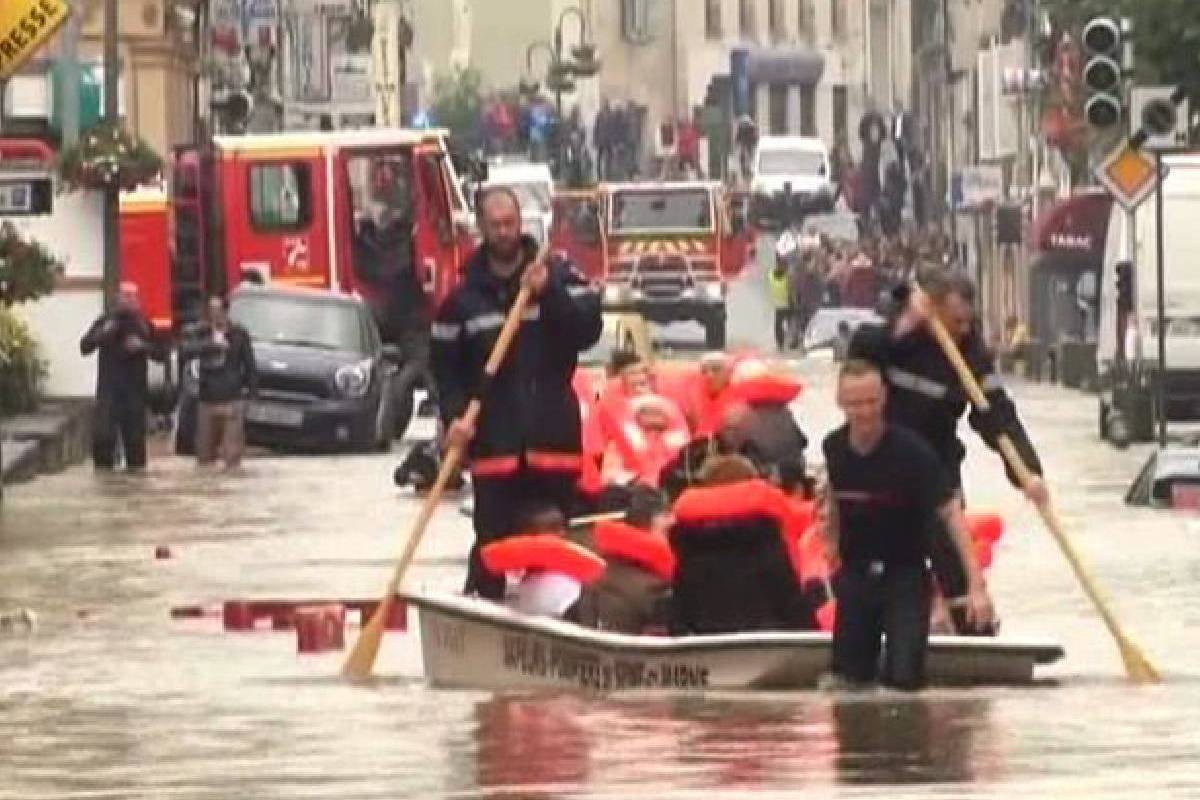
{"x":320,"y":628}
{"x":162,"y":552}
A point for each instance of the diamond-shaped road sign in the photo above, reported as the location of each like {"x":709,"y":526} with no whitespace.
{"x":1129,"y":175}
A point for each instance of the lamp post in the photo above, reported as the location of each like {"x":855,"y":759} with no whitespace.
{"x":112,"y":189}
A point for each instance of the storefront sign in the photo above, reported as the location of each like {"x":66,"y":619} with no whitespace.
{"x":25,"y":25}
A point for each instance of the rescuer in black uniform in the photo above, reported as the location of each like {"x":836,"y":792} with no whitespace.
{"x":885,"y":488}
{"x":526,"y":446}
{"x":125,"y":341}
{"x":925,"y":396}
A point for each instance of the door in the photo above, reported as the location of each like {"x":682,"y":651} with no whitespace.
{"x":437,"y":244}
{"x":576,"y":233}
{"x":277,"y":217}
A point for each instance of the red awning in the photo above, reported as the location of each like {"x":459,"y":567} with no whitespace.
{"x":1076,"y":226}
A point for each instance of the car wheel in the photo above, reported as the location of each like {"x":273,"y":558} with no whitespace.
{"x":402,"y":407}
{"x":714,"y":332}
{"x":385,"y":425}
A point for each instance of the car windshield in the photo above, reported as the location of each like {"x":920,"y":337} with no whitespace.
{"x":534,"y":197}
{"x":791,"y":162}
{"x":302,"y":322}
{"x":686,"y":210}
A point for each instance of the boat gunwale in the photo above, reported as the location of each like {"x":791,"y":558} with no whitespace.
{"x":1039,"y":652}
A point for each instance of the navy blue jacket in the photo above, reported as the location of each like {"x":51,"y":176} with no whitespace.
{"x":530,"y":412}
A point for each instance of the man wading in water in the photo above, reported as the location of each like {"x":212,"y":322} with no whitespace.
{"x":885,"y":488}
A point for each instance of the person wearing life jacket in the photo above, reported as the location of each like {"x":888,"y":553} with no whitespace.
{"x":647,"y":439}
{"x":628,"y":376}
{"x":706,"y":394}
{"x":734,"y":572}
{"x":925,"y":395}
{"x":634,"y":595}
{"x":525,"y":444}
{"x":759,"y":424}
{"x":545,"y":572}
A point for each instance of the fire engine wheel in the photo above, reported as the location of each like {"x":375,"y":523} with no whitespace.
{"x":714,"y":332}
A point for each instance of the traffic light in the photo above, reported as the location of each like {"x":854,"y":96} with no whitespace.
{"x":1124,"y":287}
{"x":1104,"y":40}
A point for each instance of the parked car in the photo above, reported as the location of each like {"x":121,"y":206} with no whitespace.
{"x":324,"y":375}
{"x":791,"y":181}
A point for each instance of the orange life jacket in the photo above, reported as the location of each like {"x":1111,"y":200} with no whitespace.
{"x":641,"y":454}
{"x":591,"y":435}
{"x":614,"y":539}
{"x":546,"y":552}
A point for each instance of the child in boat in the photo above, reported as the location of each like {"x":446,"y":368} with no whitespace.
{"x":734,"y":572}
{"x":634,"y":594}
{"x":545,"y":572}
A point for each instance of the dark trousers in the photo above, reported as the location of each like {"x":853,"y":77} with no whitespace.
{"x":892,"y":601}
{"x":498,"y":503}
{"x":783,"y":319}
{"x":120,"y":416}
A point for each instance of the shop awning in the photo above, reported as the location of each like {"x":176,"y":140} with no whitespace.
{"x":1075,"y":229}
{"x":785,"y":65}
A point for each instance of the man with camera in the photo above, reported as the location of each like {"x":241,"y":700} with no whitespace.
{"x":125,"y":341}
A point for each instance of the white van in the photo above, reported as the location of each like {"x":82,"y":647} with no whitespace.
{"x":1127,"y":406}
{"x":534,"y":186}
{"x":790,"y":165}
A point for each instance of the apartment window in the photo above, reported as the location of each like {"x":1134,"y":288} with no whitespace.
{"x":841,"y":115}
{"x":746,"y":21}
{"x":837,"y":20}
{"x":775,"y":20}
{"x":280,"y":196}
{"x":777,"y":108}
{"x":712,"y":19}
{"x":808,"y":110}
{"x":635,"y":21}
{"x":806,"y":22}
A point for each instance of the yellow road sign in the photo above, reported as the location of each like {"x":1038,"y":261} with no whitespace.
{"x":1129,"y":174}
{"x":25,"y":25}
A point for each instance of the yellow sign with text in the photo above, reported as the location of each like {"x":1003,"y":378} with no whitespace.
{"x":25,"y":25}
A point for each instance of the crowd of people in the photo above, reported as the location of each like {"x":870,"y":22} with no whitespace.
{"x":814,"y":271}
{"x":721,"y":527}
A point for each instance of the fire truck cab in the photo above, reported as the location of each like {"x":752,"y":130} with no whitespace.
{"x":379,"y":213}
{"x":666,"y":251}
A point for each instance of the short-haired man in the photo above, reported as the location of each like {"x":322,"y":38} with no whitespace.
{"x":125,"y":341}
{"x":885,"y":487}
{"x":228,"y":378}
{"x":924,"y":395}
{"x":526,"y":445}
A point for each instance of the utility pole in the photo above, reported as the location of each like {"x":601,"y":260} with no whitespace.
{"x":112,"y":190}
{"x":69,"y":65}
{"x":951,"y":135}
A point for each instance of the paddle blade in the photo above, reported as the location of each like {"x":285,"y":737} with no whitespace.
{"x":1137,"y":667}
{"x":361,"y":661}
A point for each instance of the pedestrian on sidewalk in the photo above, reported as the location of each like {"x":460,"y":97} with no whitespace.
{"x":228,"y":379}
{"x":779,"y":283}
{"x":125,"y":341}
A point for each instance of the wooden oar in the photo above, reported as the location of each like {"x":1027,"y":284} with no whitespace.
{"x":1137,"y":667}
{"x":361,"y":660}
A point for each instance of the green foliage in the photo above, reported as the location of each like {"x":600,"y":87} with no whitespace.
{"x":22,"y":368}
{"x":106,"y":155}
{"x":27,"y":270}
{"x":457,"y":102}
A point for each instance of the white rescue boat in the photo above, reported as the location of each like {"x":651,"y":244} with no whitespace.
{"x":472,"y":643}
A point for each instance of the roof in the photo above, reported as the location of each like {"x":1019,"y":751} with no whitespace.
{"x":791,"y":143}
{"x":291,"y":140}
{"x":297,"y":292}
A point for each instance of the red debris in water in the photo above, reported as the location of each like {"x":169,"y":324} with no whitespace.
{"x":237,"y":615}
{"x":162,"y":552}
{"x":320,"y":628}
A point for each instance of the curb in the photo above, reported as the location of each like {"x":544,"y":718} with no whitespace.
{"x":48,"y":440}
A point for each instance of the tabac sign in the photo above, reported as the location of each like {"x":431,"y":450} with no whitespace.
{"x":25,"y":25}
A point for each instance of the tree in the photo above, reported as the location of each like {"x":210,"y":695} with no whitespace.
{"x":457,"y":104}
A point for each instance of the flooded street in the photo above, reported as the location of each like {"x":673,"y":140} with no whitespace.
{"x":112,"y":698}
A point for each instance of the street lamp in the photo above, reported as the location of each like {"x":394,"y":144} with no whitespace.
{"x":561,"y":71}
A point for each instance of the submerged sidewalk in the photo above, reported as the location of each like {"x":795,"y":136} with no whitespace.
{"x":50,"y":439}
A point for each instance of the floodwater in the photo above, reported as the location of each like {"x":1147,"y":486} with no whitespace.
{"x":111,"y":698}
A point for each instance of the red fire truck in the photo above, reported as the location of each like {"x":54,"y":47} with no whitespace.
{"x":351,"y":211}
{"x":666,"y":251}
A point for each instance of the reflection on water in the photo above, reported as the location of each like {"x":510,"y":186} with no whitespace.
{"x":114,"y":700}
